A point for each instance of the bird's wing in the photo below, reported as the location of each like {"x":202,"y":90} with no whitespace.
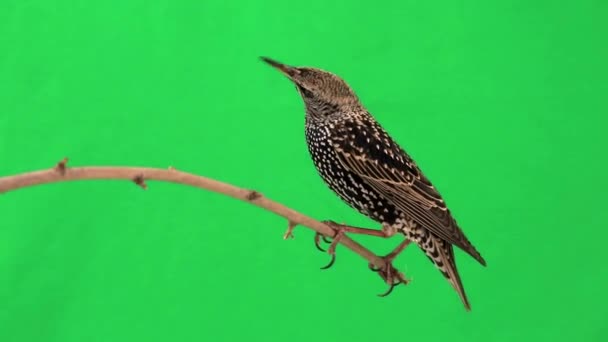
{"x":368,"y":151}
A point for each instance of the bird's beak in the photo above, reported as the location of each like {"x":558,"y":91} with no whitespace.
{"x":287,"y":70}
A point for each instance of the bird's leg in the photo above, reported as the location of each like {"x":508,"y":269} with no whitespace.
{"x":386,"y":232}
{"x":388,"y":272}
{"x":340,"y":229}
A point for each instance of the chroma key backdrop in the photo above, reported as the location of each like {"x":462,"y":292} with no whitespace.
{"x":502,"y":105}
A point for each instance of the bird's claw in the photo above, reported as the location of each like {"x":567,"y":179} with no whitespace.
{"x":390,"y":275}
{"x":331,"y":262}
{"x":339,"y":232}
{"x":390,"y":289}
{"x":318,"y":237}
{"x":388,"y":272}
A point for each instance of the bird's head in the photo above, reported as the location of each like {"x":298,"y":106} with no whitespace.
{"x":322,"y":91}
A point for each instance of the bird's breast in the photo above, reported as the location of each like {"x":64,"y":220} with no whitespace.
{"x":351,"y":188}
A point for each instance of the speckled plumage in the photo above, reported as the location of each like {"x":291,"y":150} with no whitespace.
{"x":367,"y":169}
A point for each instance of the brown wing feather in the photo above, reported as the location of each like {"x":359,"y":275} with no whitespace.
{"x":378,"y":160}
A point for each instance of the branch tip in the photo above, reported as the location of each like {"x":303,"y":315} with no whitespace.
{"x":140,"y":181}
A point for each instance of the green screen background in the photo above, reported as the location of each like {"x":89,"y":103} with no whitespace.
{"x":502,"y":104}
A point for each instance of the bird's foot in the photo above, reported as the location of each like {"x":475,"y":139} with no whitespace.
{"x":318,"y":236}
{"x":391,"y":276}
{"x":339,"y":230}
{"x":388,"y":272}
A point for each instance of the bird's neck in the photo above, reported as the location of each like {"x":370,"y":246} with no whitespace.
{"x":324,"y":112}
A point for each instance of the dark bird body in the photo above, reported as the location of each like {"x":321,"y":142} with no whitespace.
{"x":367,"y":169}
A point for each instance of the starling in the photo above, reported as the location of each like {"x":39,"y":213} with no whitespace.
{"x":368,"y":170}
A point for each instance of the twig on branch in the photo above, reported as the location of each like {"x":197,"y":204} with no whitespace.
{"x":289,"y":232}
{"x":62,"y":173}
{"x":140,"y":180}
{"x":61,"y":166}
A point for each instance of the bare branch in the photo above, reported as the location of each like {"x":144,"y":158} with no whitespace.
{"x":61,"y":173}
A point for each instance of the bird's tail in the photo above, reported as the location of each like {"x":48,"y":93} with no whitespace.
{"x":441,"y":254}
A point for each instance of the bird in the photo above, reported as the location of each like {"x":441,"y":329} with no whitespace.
{"x":372,"y":173}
